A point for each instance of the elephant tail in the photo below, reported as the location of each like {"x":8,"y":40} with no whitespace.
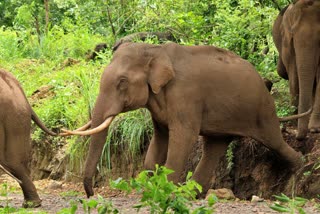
{"x":37,"y":120}
{"x":293,"y":117}
{"x":9,"y":173}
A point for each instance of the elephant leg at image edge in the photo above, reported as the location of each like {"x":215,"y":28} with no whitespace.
{"x":213,"y":149}
{"x":314,"y":123}
{"x":18,"y":164}
{"x":21,"y":171}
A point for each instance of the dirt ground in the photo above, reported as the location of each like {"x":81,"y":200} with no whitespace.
{"x":57,"y":195}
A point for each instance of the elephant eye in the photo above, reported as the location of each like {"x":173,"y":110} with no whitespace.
{"x":123,"y":84}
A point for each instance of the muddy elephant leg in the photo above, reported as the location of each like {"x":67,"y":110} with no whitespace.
{"x":158,"y":148}
{"x":213,"y":149}
{"x":181,"y":141}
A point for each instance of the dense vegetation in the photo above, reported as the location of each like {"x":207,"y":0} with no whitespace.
{"x":44,"y":44}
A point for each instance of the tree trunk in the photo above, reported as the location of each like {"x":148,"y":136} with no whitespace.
{"x":46,"y":6}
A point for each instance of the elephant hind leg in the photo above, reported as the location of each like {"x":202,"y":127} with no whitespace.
{"x":213,"y":149}
{"x":21,"y":171}
{"x":16,"y":161}
{"x":271,"y":136}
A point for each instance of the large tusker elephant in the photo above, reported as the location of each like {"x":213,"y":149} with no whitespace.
{"x":296,"y":34}
{"x":15,"y":124}
{"x":189,"y":90}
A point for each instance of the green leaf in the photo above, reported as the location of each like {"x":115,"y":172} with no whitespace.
{"x":282,"y":198}
{"x":280,"y":208}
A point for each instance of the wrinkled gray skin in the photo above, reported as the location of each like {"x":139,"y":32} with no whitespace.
{"x":189,"y":90}
{"x":296,"y":34}
{"x":15,"y":125}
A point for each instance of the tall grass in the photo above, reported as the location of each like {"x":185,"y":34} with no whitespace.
{"x":127,"y":134}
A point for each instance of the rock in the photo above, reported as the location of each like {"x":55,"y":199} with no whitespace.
{"x":256,"y":199}
{"x":223,"y":193}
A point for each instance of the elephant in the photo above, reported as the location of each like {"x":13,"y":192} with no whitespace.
{"x":15,"y":126}
{"x":190,"y":91}
{"x":296,"y":34}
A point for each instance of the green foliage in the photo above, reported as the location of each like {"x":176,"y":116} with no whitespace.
{"x":161,"y":195}
{"x":100,"y":206}
{"x":230,"y":154}
{"x":288,"y":205}
{"x":127,"y":134}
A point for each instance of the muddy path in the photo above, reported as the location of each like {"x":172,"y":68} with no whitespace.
{"x":57,"y":195}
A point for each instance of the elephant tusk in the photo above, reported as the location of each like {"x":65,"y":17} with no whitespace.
{"x":84,"y":127}
{"x":11,"y":175}
{"x":95,"y":130}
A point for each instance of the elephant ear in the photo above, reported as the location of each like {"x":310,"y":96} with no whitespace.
{"x":160,"y":71}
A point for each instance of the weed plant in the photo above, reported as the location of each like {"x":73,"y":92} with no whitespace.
{"x":161,"y":195}
{"x":289,"y":205}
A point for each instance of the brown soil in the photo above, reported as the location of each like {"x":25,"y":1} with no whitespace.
{"x":58,"y":195}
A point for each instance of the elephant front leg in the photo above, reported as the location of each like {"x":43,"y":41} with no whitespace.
{"x":181,"y":141}
{"x":158,"y":148}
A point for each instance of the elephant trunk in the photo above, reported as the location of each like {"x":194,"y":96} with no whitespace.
{"x":97,"y":142}
{"x":94,"y":154}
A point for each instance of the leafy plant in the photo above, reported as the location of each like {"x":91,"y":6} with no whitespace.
{"x":288,"y":205}
{"x":100,"y":206}
{"x":230,"y":154}
{"x":161,"y":195}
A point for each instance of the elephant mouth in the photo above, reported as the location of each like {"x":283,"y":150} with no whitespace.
{"x":83,"y":130}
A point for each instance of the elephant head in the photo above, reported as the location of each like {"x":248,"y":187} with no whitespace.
{"x":136,"y":72}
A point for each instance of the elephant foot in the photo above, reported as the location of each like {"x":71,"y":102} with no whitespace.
{"x":301,"y":134}
{"x":87,"y":183}
{"x":314,"y":126}
{"x":297,"y":162}
{"x":31,"y":203}
{"x":315,"y":130}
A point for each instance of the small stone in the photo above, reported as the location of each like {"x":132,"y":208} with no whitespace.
{"x":223,"y":193}
{"x":256,"y":199}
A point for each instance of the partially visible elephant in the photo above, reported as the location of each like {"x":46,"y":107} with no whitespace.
{"x":15,"y":125}
{"x":190,"y":91}
{"x":296,"y":34}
